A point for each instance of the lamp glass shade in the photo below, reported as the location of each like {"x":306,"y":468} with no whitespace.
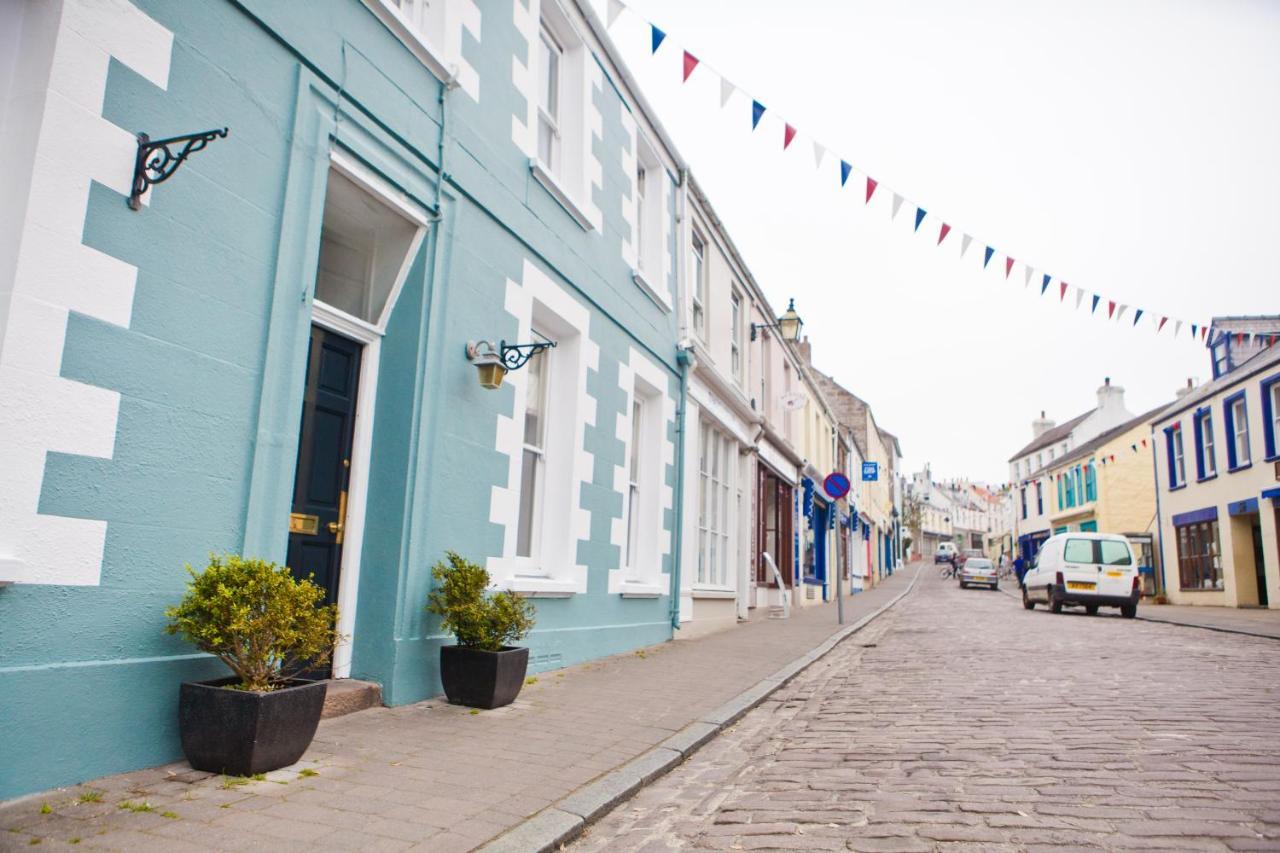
{"x":789,"y":323}
{"x":491,"y":373}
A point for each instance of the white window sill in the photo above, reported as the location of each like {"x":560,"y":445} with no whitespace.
{"x":535,"y":587}
{"x":639,"y":589}
{"x":714,"y":592}
{"x":560,"y":194}
{"x":411,"y":37}
{"x":649,"y":290}
{"x":10,"y":568}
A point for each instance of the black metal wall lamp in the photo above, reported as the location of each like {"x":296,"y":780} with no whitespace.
{"x":492,"y":362}
{"x":157,"y":160}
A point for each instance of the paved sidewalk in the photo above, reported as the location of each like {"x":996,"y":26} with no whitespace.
{"x":1253,"y":621}
{"x":1256,"y":622}
{"x":433,"y":776}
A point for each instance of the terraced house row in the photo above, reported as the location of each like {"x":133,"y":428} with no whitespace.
{"x":443,"y":282}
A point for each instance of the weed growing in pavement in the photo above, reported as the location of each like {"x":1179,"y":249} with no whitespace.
{"x":75,"y":840}
{"x":45,"y":808}
{"x":137,"y":807}
{"x":533,"y":679}
{"x":259,"y":777}
{"x":229,"y":782}
{"x":91,"y":797}
{"x":475,"y":711}
{"x":307,"y":773}
{"x":641,"y":654}
{"x":170,"y":815}
{"x":33,"y":842}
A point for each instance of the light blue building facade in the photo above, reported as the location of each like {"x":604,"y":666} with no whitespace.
{"x":398,"y":180}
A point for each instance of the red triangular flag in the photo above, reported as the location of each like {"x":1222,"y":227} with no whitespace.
{"x":1204,"y":330}
{"x":690,"y":63}
{"x":1062,"y":290}
{"x":1144,"y":442}
{"x":1163,"y":320}
{"x":943,"y":232}
{"x":1240,"y":339}
{"x":1111,"y":308}
{"x":788,"y":134}
{"x":1008,"y":265}
{"x":871,"y":187}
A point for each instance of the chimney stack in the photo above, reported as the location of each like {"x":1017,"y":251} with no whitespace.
{"x":806,"y":352}
{"x":1041,"y":425}
{"x":1190,"y":386}
{"x":1111,"y":402}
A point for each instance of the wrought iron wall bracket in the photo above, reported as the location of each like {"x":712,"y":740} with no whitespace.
{"x":515,"y":356}
{"x":157,"y":160}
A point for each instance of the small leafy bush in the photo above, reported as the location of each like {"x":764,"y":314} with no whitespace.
{"x":257,"y":618}
{"x":479,"y":619}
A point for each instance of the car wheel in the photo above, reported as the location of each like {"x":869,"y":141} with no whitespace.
{"x":1027,"y":604}
{"x":963,"y":585}
{"x":1055,"y":606}
{"x":1091,"y":609}
{"x":1128,"y":611}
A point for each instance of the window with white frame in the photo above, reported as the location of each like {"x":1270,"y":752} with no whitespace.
{"x":533,"y":462}
{"x":1178,"y":473}
{"x":1208,"y":450}
{"x":735,"y":332}
{"x":425,"y":16}
{"x":715,"y":507}
{"x":633,"y":482}
{"x":550,"y":65}
{"x":648,"y":214}
{"x":699,"y":285}
{"x":1239,"y":432}
{"x":786,"y":390}
{"x":1271,"y":390}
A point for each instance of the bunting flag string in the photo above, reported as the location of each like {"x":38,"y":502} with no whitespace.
{"x":1115,"y":310}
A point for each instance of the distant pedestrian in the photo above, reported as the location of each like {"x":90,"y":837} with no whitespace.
{"x":1020,"y":568}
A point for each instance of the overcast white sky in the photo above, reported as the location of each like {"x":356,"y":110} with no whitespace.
{"x":1132,"y":148}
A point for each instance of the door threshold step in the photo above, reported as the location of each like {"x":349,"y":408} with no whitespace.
{"x":347,"y":695}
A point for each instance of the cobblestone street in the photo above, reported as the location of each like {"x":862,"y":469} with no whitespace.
{"x":960,"y":721}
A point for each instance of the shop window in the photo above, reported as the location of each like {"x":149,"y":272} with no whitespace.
{"x":1199,"y":555}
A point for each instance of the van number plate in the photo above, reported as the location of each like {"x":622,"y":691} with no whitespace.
{"x":1080,"y":585}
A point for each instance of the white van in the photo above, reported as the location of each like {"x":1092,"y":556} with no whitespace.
{"x":945,"y":554}
{"x":1088,"y":569}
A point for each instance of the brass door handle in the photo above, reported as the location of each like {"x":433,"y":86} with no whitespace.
{"x":338,"y":528}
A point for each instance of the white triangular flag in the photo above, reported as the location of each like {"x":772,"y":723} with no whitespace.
{"x":1120,"y":312}
{"x":1079,"y":297}
{"x":1027,"y":272}
{"x":964,"y":244}
{"x":897,"y":203}
{"x":1177,"y":328}
{"x":818,"y":152}
{"x":615,"y":9}
{"x":726,"y":91}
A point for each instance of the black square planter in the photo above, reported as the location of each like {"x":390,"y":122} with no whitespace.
{"x":481,"y":679}
{"x":240,"y":733}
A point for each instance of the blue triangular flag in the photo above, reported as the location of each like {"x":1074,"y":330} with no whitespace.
{"x":845,"y":169}
{"x":1193,"y":330}
{"x":920,"y":213}
{"x":657,"y":35}
{"x":1044,"y":286}
{"x":1096,"y":298}
{"x":757,"y":110}
{"x":1137,"y":316}
{"x":986,"y":260}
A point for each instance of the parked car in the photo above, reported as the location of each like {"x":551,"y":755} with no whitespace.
{"x":1091,"y":570}
{"x":946,"y":553}
{"x":966,"y":554}
{"x":978,"y":570}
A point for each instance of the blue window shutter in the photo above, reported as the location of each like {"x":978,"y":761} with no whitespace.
{"x":1168,"y":446}
{"x":1229,"y":437}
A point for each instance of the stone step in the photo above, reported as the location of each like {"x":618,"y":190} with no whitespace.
{"x":347,"y":695}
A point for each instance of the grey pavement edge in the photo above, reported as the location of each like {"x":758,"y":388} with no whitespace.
{"x":1157,"y":620}
{"x":564,"y":820}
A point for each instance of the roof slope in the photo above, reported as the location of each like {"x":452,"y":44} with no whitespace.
{"x":1097,"y":441}
{"x":1050,"y":436}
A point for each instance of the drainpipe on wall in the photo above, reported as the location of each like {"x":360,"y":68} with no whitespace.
{"x":685,"y":358}
{"x":1155,"y":477}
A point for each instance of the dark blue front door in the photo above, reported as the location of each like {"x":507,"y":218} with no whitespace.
{"x":316,"y":525}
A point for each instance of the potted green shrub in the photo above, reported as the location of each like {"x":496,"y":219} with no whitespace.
{"x":267,"y":626}
{"x":483,"y":670}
